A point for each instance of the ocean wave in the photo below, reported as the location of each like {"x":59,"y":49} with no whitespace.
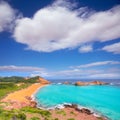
{"x":114,"y":84}
{"x":59,"y":83}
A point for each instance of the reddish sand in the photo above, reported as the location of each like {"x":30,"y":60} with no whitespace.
{"x":22,"y":95}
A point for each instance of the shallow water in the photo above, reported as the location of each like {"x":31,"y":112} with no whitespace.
{"x":102,"y":99}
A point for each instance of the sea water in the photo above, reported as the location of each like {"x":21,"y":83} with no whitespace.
{"x":103,"y":99}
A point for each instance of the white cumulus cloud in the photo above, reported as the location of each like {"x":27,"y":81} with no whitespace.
{"x":114,"y":48}
{"x":86,"y":48}
{"x":7,"y":16}
{"x":58,"y":27}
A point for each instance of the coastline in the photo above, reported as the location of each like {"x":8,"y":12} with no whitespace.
{"x":75,"y":107}
{"x":25,"y":97}
{"x":33,"y":94}
{"x":90,"y":113}
{"x":22,"y":98}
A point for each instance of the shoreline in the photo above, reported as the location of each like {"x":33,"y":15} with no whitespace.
{"x":23,"y":97}
{"x":69,"y":105}
{"x":33,"y":95}
{"x":77,"y":108}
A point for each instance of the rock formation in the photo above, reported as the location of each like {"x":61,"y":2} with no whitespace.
{"x":97,"y":83}
{"x":43,"y":81}
{"x":79,"y":83}
{"x":33,"y":104}
{"x":87,"y":111}
{"x":82,"y":110}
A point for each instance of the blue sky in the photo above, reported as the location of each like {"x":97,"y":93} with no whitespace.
{"x":60,"y":38}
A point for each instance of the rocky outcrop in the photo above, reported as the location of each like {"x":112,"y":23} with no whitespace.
{"x":97,"y":83}
{"x":43,"y":81}
{"x":28,"y":98}
{"x":86,"y":111}
{"x":79,"y":83}
{"x":71,"y":106}
{"x":33,"y":104}
{"x":82,"y":110}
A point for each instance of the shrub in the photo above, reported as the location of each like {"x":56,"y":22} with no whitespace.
{"x":34,"y":118}
{"x":61,"y":112}
{"x":36,"y":110}
{"x":56,"y":119}
{"x":21,"y":116}
{"x":70,"y":119}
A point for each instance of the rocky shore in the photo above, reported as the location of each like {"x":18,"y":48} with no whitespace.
{"x":84,"y":111}
{"x":73,"y":112}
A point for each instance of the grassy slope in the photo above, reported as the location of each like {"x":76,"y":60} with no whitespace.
{"x":9,"y":84}
{"x":28,"y":113}
{"x":6,"y":88}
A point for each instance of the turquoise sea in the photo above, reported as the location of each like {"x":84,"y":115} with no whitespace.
{"x":104,"y":100}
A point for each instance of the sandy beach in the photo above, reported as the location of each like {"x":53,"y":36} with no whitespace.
{"x":22,"y":96}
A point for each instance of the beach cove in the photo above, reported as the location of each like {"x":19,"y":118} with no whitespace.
{"x":103,"y":100}
{"x":22,"y":97}
{"x":26,"y":97}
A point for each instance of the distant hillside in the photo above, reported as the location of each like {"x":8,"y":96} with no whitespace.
{"x":17,"y":79}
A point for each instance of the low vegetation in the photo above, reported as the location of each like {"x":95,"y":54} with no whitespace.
{"x":8,"y":87}
{"x":16,"y":79}
{"x":70,"y":119}
{"x":61,"y":112}
{"x":34,"y":118}
{"x":11,"y":84}
{"x":12,"y":115}
{"x":24,"y":113}
{"x":43,"y":113}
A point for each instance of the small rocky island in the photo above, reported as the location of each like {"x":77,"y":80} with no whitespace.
{"x":79,"y":83}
